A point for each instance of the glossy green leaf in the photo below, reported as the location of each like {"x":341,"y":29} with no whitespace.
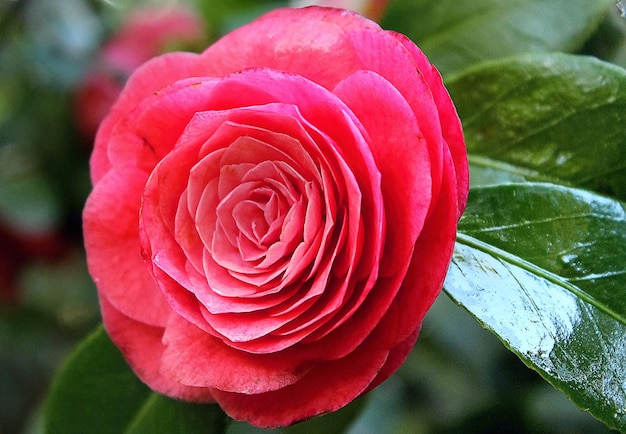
{"x":544,"y":268}
{"x":96,"y":392}
{"x":162,"y":414}
{"x":548,"y":117}
{"x":457,"y":33}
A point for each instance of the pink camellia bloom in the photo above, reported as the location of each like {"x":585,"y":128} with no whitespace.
{"x":271,"y":219}
{"x":147,"y":32}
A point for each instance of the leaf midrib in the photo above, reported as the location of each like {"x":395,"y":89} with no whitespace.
{"x":553,"y":278}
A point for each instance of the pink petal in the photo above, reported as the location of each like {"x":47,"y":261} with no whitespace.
{"x":205,"y":217}
{"x":427,"y":271}
{"x":224,"y":213}
{"x":253,"y":143}
{"x":218,"y":304}
{"x":325,"y":388}
{"x":306,"y":251}
{"x":450,"y":122}
{"x":240,"y":328}
{"x":150,"y":77}
{"x":383,"y":54}
{"x":230,"y":284}
{"x":317,"y":34}
{"x":401,"y":155}
{"x":396,"y":358}
{"x":142,"y":348}
{"x":186,"y":235}
{"x":156,"y":134}
{"x":176,"y":277}
{"x":277,"y":126}
{"x":195,"y":358}
{"x":110,"y":221}
{"x":162,"y":196}
{"x":326,"y":283}
{"x":345,"y":19}
{"x":183,"y":301}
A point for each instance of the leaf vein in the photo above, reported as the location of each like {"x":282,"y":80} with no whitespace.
{"x":528,"y":223}
{"x":558,"y":120}
{"x":555,"y":279}
{"x":598,"y":276}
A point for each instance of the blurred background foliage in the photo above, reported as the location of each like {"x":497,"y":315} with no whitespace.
{"x":61,"y":64}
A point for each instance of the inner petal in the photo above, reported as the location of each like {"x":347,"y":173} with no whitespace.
{"x":226,"y":210}
{"x":251,"y":218}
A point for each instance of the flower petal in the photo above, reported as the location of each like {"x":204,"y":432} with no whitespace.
{"x":197,"y":359}
{"x":451,"y":125}
{"x":427,"y":271}
{"x":142,"y":348}
{"x":327,"y":387}
{"x":111,"y":221}
{"x":401,"y":155}
{"x":318,"y":33}
{"x":150,"y":77}
{"x":382,"y":53}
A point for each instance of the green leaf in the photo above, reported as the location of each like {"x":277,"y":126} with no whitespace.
{"x":548,"y":117}
{"x":162,"y":414}
{"x":96,"y":392}
{"x":457,"y":33}
{"x":544,"y":268}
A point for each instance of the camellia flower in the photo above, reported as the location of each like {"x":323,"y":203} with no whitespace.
{"x":271,"y":219}
{"x":147,"y":32}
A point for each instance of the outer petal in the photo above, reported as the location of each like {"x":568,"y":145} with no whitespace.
{"x":382,"y":53}
{"x":195,"y":358}
{"x":145,"y":135}
{"x":396,"y":358}
{"x":401,"y":155}
{"x":150,"y":77}
{"x":288,"y":40}
{"x":429,"y":265}
{"x":326,"y":388}
{"x":142,"y":348}
{"x":346,"y":19}
{"x":111,"y":222}
{"x":450,"y":122}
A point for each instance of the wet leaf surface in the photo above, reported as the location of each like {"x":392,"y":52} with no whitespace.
{"x":542,"y":266}
{"x":545,"y":117}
